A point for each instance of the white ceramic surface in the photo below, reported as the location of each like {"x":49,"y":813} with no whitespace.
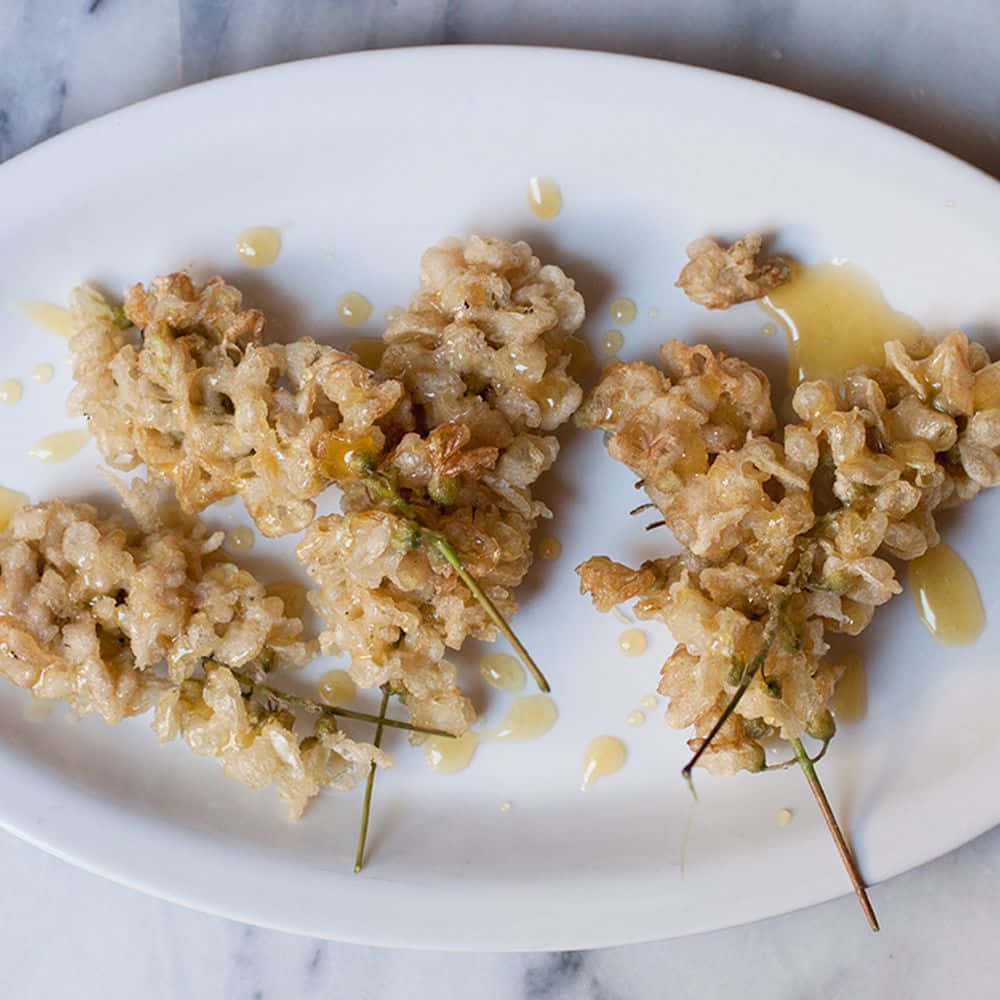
{"x":647,"y":155}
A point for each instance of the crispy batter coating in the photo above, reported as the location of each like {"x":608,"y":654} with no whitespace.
{"x":718,"y":277}
{"x":785,"y":540}
{"x":194,"y":394}
{"x":483,"y":354}
{"x":91,"y":606}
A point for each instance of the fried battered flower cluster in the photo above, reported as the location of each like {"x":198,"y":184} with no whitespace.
{"x":184,"y":384}
{"x":718,"y":277}
{"x":784,"y":535}
{"x":118,"y":618}
{"x":482,"y":354}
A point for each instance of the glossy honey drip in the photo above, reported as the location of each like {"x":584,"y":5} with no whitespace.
{"x":240,"y":538}
{"x":850,"y":699}
{"x":528,"y":718}
{"x":55,"y":319}
{"x":43,"y":373}
{"x":604,"y":755}
{"x":59,"y":446}
{"x":11,"y":391}
{"x":622,"y":310}
{"x":448,"y":755}
{"x":544,"y":197}
{"x":337,"y":688}
{"x":632,"y":642}
{"x":502,"y":671}
{"x":259,"y":246}
{"x":612,"y":342}
{"x":354,"y":309}
{"x":836,"y":319}
{"x":549,"y":548}
{"x":337,"y":454}
{"x":946,"y":596}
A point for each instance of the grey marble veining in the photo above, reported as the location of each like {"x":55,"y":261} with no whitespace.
{"x":929,"y":68}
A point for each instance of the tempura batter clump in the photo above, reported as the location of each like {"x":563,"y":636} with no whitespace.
{"x":784,"y":538}
{"x":482,"y":354}
{"x":718,"y":277}
{"x":190,"y":389}
{"x":117,"y":618}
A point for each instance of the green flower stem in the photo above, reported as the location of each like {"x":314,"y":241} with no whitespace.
{"x":336,"y":711}
{"x":359,"y":856}
{"x":379,"y":487}
{"x":838,"y":838}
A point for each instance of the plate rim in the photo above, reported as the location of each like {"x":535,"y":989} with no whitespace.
{"x":970,"y":177}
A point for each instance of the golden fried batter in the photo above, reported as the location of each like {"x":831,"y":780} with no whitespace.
{"x":718,"y":277}
{"x":784,"y":540}
{"x":194,"y":394}
{"x":91,"y":606}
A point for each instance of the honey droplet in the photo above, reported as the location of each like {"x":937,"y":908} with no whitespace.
{"x":612,"y":342}
{"x":449,"y":755}
{"x":549,"y":548}
{"x":337,"y":688}
{"x":240,"y":539}
{"x":946,"y":596}
{"x":580,"y":358}
{"x":259,"y":246}
{"x":784,"y":817}
{"x":10,"y":500}
{"x":369,"y":351}
{"x":836,"y":319}
{"x":354,"y":309}
{"x":604,"y":755}
{"x":528,"y":718}
{"x":505,"y":807}
{"x":850,"y":698}
{"x":622,"y":310}
{"x":502,"y":671}
{"x":632,"y":642}
{"x":43,"y":373}
{"x":648,"y":701}
{"x":10,"y":391}
{"x":635,"y":718}
{"x":55,"y":319}
{"x":338,"y":453}
{"x":59,"y":446}
{"x":544,"y":197}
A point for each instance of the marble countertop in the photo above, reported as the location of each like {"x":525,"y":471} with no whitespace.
{"x":926,"y":67}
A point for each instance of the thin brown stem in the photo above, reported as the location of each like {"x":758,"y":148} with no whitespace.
{"x":308,"y":705}
{"x":860,"y":890}
{"x":359,"y":857}
{"x":749,"y":672}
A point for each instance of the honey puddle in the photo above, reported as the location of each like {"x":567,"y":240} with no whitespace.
{"x":946,"y":596}
{"x":528,"y":718}
{"x":336,"y":687}
{"x":836,"y":319}
{"x":850,"y":699}
{"x":59,"y":446}
{"x":259,"y":246}
{"x":503,"y":671}
{"x":603,"y":756}
{"x":53,"y":318}
{"x":544,"y":197}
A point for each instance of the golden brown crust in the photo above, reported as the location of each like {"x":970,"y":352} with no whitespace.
{"x":718,"y":277}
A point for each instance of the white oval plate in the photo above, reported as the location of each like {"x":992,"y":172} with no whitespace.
{"x":366,"y":160}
